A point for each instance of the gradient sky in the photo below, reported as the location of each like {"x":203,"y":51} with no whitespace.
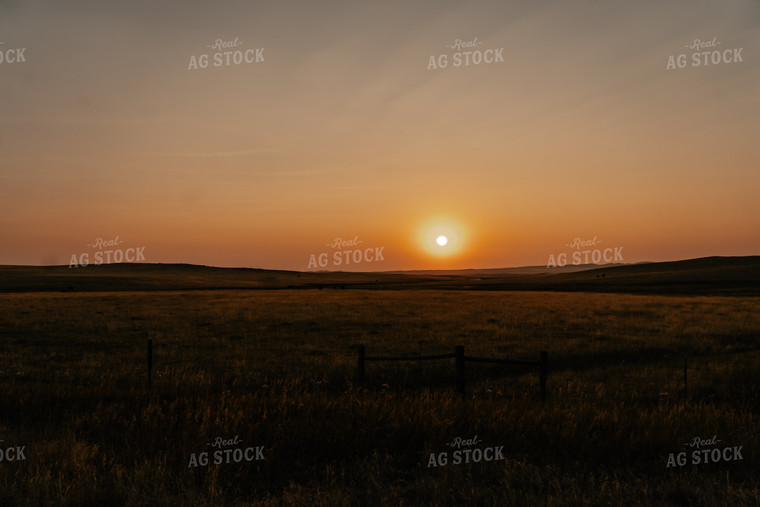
{"x":344,"y":132}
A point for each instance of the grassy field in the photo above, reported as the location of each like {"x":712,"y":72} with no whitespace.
{"x":276,"y":369}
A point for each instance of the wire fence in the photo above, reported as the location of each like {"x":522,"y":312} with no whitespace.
{"x":161,"y":365}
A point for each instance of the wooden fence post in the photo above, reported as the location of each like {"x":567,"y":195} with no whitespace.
{"x":360,"y":366}
{"x":543,"y":371}
{"x":150,"y":361}
{"x":459,"y":352}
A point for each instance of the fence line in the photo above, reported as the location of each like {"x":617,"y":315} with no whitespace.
{"x":460,"y":358}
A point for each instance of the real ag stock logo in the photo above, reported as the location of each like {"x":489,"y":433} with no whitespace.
{"x":226,"y":54}
{"x":585,"y":255}
{"x":346,"y":252}
{"x":463,"y":451}
{"x":705,"y":451}
{"x":225,"y":452}
{"x":10,"y":453}
{"x":704,"y":53}
{"x":105,"y":253}
{"x":11,"y":55}
{"x":465,"y":53}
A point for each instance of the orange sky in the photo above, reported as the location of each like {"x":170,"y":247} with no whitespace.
{"x":343,"y":131}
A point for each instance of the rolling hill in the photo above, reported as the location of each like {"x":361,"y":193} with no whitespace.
{"x":709,"y":275}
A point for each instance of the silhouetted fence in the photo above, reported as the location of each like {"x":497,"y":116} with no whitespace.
{"x":150,"y":361}
{"x":680,"y":376}
{"x":460,"y":359}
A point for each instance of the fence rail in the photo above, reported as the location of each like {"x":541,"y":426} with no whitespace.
{"x":683,"y":368}
{"x":461,"y":359}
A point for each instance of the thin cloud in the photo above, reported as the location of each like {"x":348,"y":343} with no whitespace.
{"x":79,"y":122}
{"x":207,"y":154}
{"x":250,"y":171}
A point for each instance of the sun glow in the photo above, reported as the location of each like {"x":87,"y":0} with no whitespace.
{"x":441,"y":237}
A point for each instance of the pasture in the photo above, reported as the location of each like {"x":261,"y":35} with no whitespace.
{"x":276,"y":368}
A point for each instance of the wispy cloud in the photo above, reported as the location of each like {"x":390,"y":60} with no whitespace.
{"x":104,"y":122}
{"x":288,"y":172}
{"x":205,"y":154}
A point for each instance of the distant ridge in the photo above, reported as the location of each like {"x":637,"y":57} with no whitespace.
{"x":523,"y":270}
{"x":707,"y":275}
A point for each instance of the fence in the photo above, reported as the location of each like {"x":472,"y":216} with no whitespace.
{"x":458,"y":355}
{"x":683,"y":377}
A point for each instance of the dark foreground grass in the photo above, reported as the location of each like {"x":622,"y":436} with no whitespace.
{"x":276,"y":369}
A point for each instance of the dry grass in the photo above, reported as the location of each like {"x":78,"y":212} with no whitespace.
{"x":277,"y":368}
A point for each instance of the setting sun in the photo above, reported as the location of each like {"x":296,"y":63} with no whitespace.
{"x":442,"y":237}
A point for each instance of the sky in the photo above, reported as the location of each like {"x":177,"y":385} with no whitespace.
{"x":344,"y":128}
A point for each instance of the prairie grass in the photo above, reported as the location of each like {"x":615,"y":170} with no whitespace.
{"x":277,"y":369}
